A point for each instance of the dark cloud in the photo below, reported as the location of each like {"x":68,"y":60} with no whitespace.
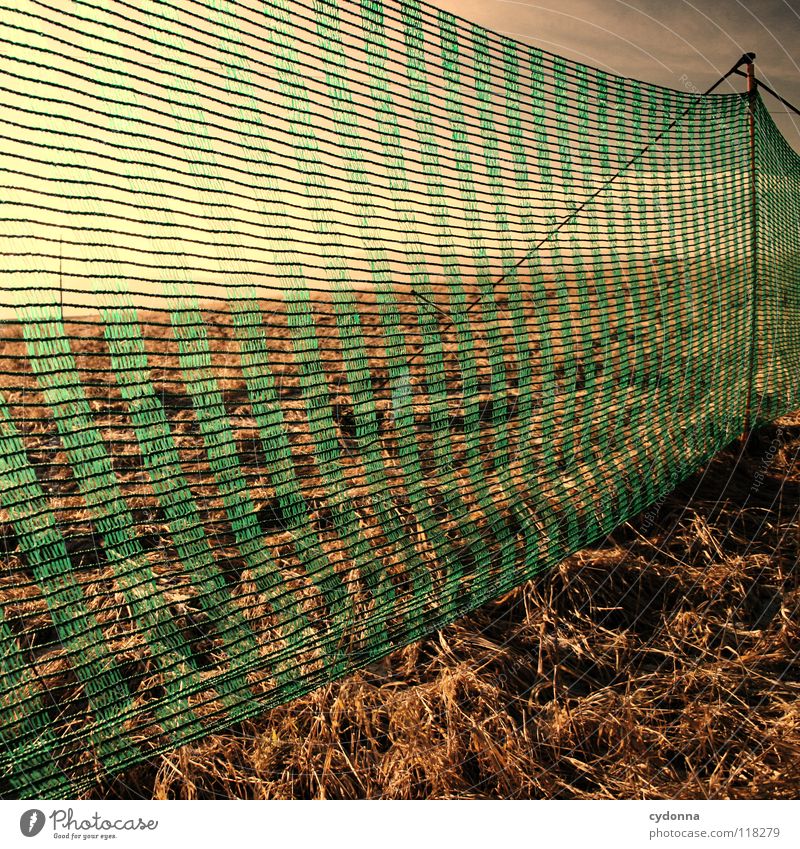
{"x":660,"y":41}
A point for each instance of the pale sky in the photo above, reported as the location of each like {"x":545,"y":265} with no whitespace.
{"x":661,"y":40}
{"x":140,"y":149}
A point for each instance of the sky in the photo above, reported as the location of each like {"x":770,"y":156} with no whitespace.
{"x":169,"y":152}
{"x":660,"y":41}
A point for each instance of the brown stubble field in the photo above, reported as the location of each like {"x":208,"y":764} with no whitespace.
{"x":660,"y":663}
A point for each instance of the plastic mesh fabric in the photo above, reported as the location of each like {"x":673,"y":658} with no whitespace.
{"x":323,"y":323}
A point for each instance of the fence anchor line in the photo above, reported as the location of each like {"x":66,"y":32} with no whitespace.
{"x":745,"y":59}
{"x":761,"y":84}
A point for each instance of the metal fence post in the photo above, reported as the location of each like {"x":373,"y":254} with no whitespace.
{"x":752,"y":93}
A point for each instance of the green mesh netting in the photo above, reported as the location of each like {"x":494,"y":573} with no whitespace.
{"x":325,"y":322}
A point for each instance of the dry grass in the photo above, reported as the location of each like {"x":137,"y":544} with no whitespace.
{"x":661,"y":664}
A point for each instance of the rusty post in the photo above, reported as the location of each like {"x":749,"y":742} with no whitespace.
{"x":752,"y":89}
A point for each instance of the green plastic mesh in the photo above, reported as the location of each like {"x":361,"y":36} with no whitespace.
{"x":323,"y":323}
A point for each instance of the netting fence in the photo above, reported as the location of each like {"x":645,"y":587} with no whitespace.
{"x":323,"y":323}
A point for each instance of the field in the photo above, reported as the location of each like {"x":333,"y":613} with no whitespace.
{"x":659,"y":663}
{"x":662,"y":664}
